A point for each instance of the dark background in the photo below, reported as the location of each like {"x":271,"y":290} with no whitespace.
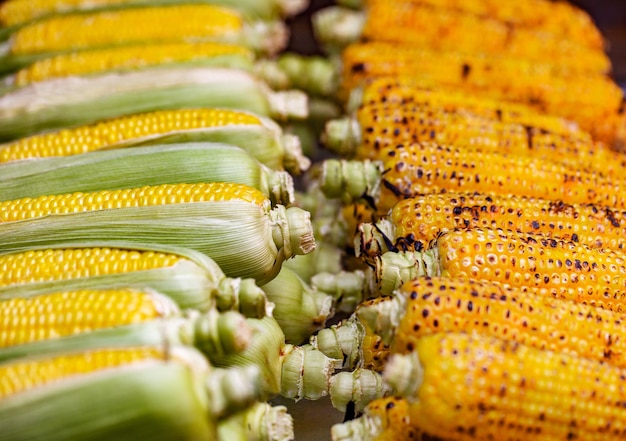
{"x":609,"y":15}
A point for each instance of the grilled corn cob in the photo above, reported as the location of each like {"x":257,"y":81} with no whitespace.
{"x":409,"y":170}
{"x":448,"y":30}
{"x":414,"y":223}
{"x":259,"y":136}
{"x":190,"y":278}
{"x":99,"y":29}
{"x":171,"y":394}
{"x":464,"y":387}
{"x":377,"y":127}
{"x":545,"y":266}
{"x":76,"y":101}
{"x":15,"y":13}
{"x":260,"y":422}
{"x":125,"y":168}
{"x":232,"y":223}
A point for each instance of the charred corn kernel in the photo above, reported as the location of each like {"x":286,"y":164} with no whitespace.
{"x":409,"y":170}
{"x":265,"y":141}
{"x":451,"y":100}
{"x":191,"y":279}
{"x":560,"y":18}
{"x":173,"y":396}
{"x":127,"y":58}
{"x":87,"y":100}
{"x":118,"y":169}
{"x":260,"y":422}
{"x":18,"y":12}
{"x":544,"y":266}
{"x":19,"y":377}
{"x":414,"y":223}
{"x":377,"y":127}
{"x":232,"y":223}
{"x":54,"y":315}
{"x":450,"y":30}
{"x":507,"y":390}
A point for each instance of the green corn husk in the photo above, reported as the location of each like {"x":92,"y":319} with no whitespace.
{"x":178,"y":399}
{"x":244,"y":238}
{"x":126,"y":168}
{"x":73,"y":101}
{"x":263,"y":10}
{"x":260,"y":422}
{"x":326,"y":258}
{"x":196,"y":282}
{"x":213,"y":333}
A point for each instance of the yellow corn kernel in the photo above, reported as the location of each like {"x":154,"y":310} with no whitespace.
{"x":102,"y":134}
{"x":476,"y":387}
{"x":18,"y":377}
{"x":122,"y":58}
{"x":13,"y":12}
{"x":64,"y":264}
{"x":30,"y":208}
{"x":134,"y":25}
{"x":30,"y":319}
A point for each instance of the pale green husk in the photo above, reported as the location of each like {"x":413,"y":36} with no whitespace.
{"x":260,"y":422}
{"x":128,"y":168}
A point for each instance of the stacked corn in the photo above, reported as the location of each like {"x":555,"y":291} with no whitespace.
{"x":482,"y":191}
{"x":147,"y":206}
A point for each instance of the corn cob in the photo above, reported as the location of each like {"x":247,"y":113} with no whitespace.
{"x":190,"y":278}
{"x":544,"y":266}
{"x":99,"y":29}
{"x":506,"y":390}
{"x":258,"y":135}
{"x":260,"y":422}
{"x":557,"y":18}
{"x":118,"y":169}
{"x":414,"y":223}
{"x":448,"y":30}
{"x":15,"y":13}
{"x":326,"y":258}
{"x":375,"y":128}
{"x":76,"y":101}
{"x":174,"y":395}
{"x":450,"y":100}
{"x":232,"y":223}
{"x":409,"y":170}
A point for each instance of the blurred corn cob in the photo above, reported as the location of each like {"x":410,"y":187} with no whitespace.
{"x":259,"y":422}
{"x":258,"y":135}
{"x":74,"y":101}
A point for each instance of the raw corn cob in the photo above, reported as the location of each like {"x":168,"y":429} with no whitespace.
{"x":232,"y":223}
{"x":506,"y":390}
{"x":448,"y":30}
{"x":258,"y":135}
{"x":15,"y":13}
{"x":189,"y":278}
{"x":326,"y":258}
{"x":451,"y":100}
{"x":375,"y":128}
{"x":414,"y":223}
{"x":76,"y":101}
{"x":99,"y":29}
{"x":172,"y":394}
{"x":558,"y":18}
{"x":544,"y":266}
{"x":259,"y":422}
{"x":126,"y":168}
{"x":405,"y":171}
{"x":448,"y":304}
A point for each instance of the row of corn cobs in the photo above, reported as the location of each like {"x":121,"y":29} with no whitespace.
{"x":147,"y":206}
{"x":482,"y":188}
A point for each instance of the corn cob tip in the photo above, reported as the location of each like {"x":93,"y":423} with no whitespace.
{"x":382,"y":315}
{"x":293,"y":7}
{"x":242,"y":295}
{"x":404,"y":374}
{"x":289,"y":104}
{"x":281,"y":187}
{"x":393,"y":269}
{"x":336,"y":27}
{"x":268,"y":37}
{"x":341,"y":341}
{"x":315,"y":75}
{"x":292,"y":231}
{"x":294,"y":161}
{"x":342,"y":136}
{"x":220,"y":333}
{"x":362,"y":428}
{"x":233,"y":389}
{"x":306,"y":373}
{"x":348,"y":288}
{"x":372,"y":239}
{"x":350,"y":180}
{"x":359,"y":387}
{"x":260,"y":422}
